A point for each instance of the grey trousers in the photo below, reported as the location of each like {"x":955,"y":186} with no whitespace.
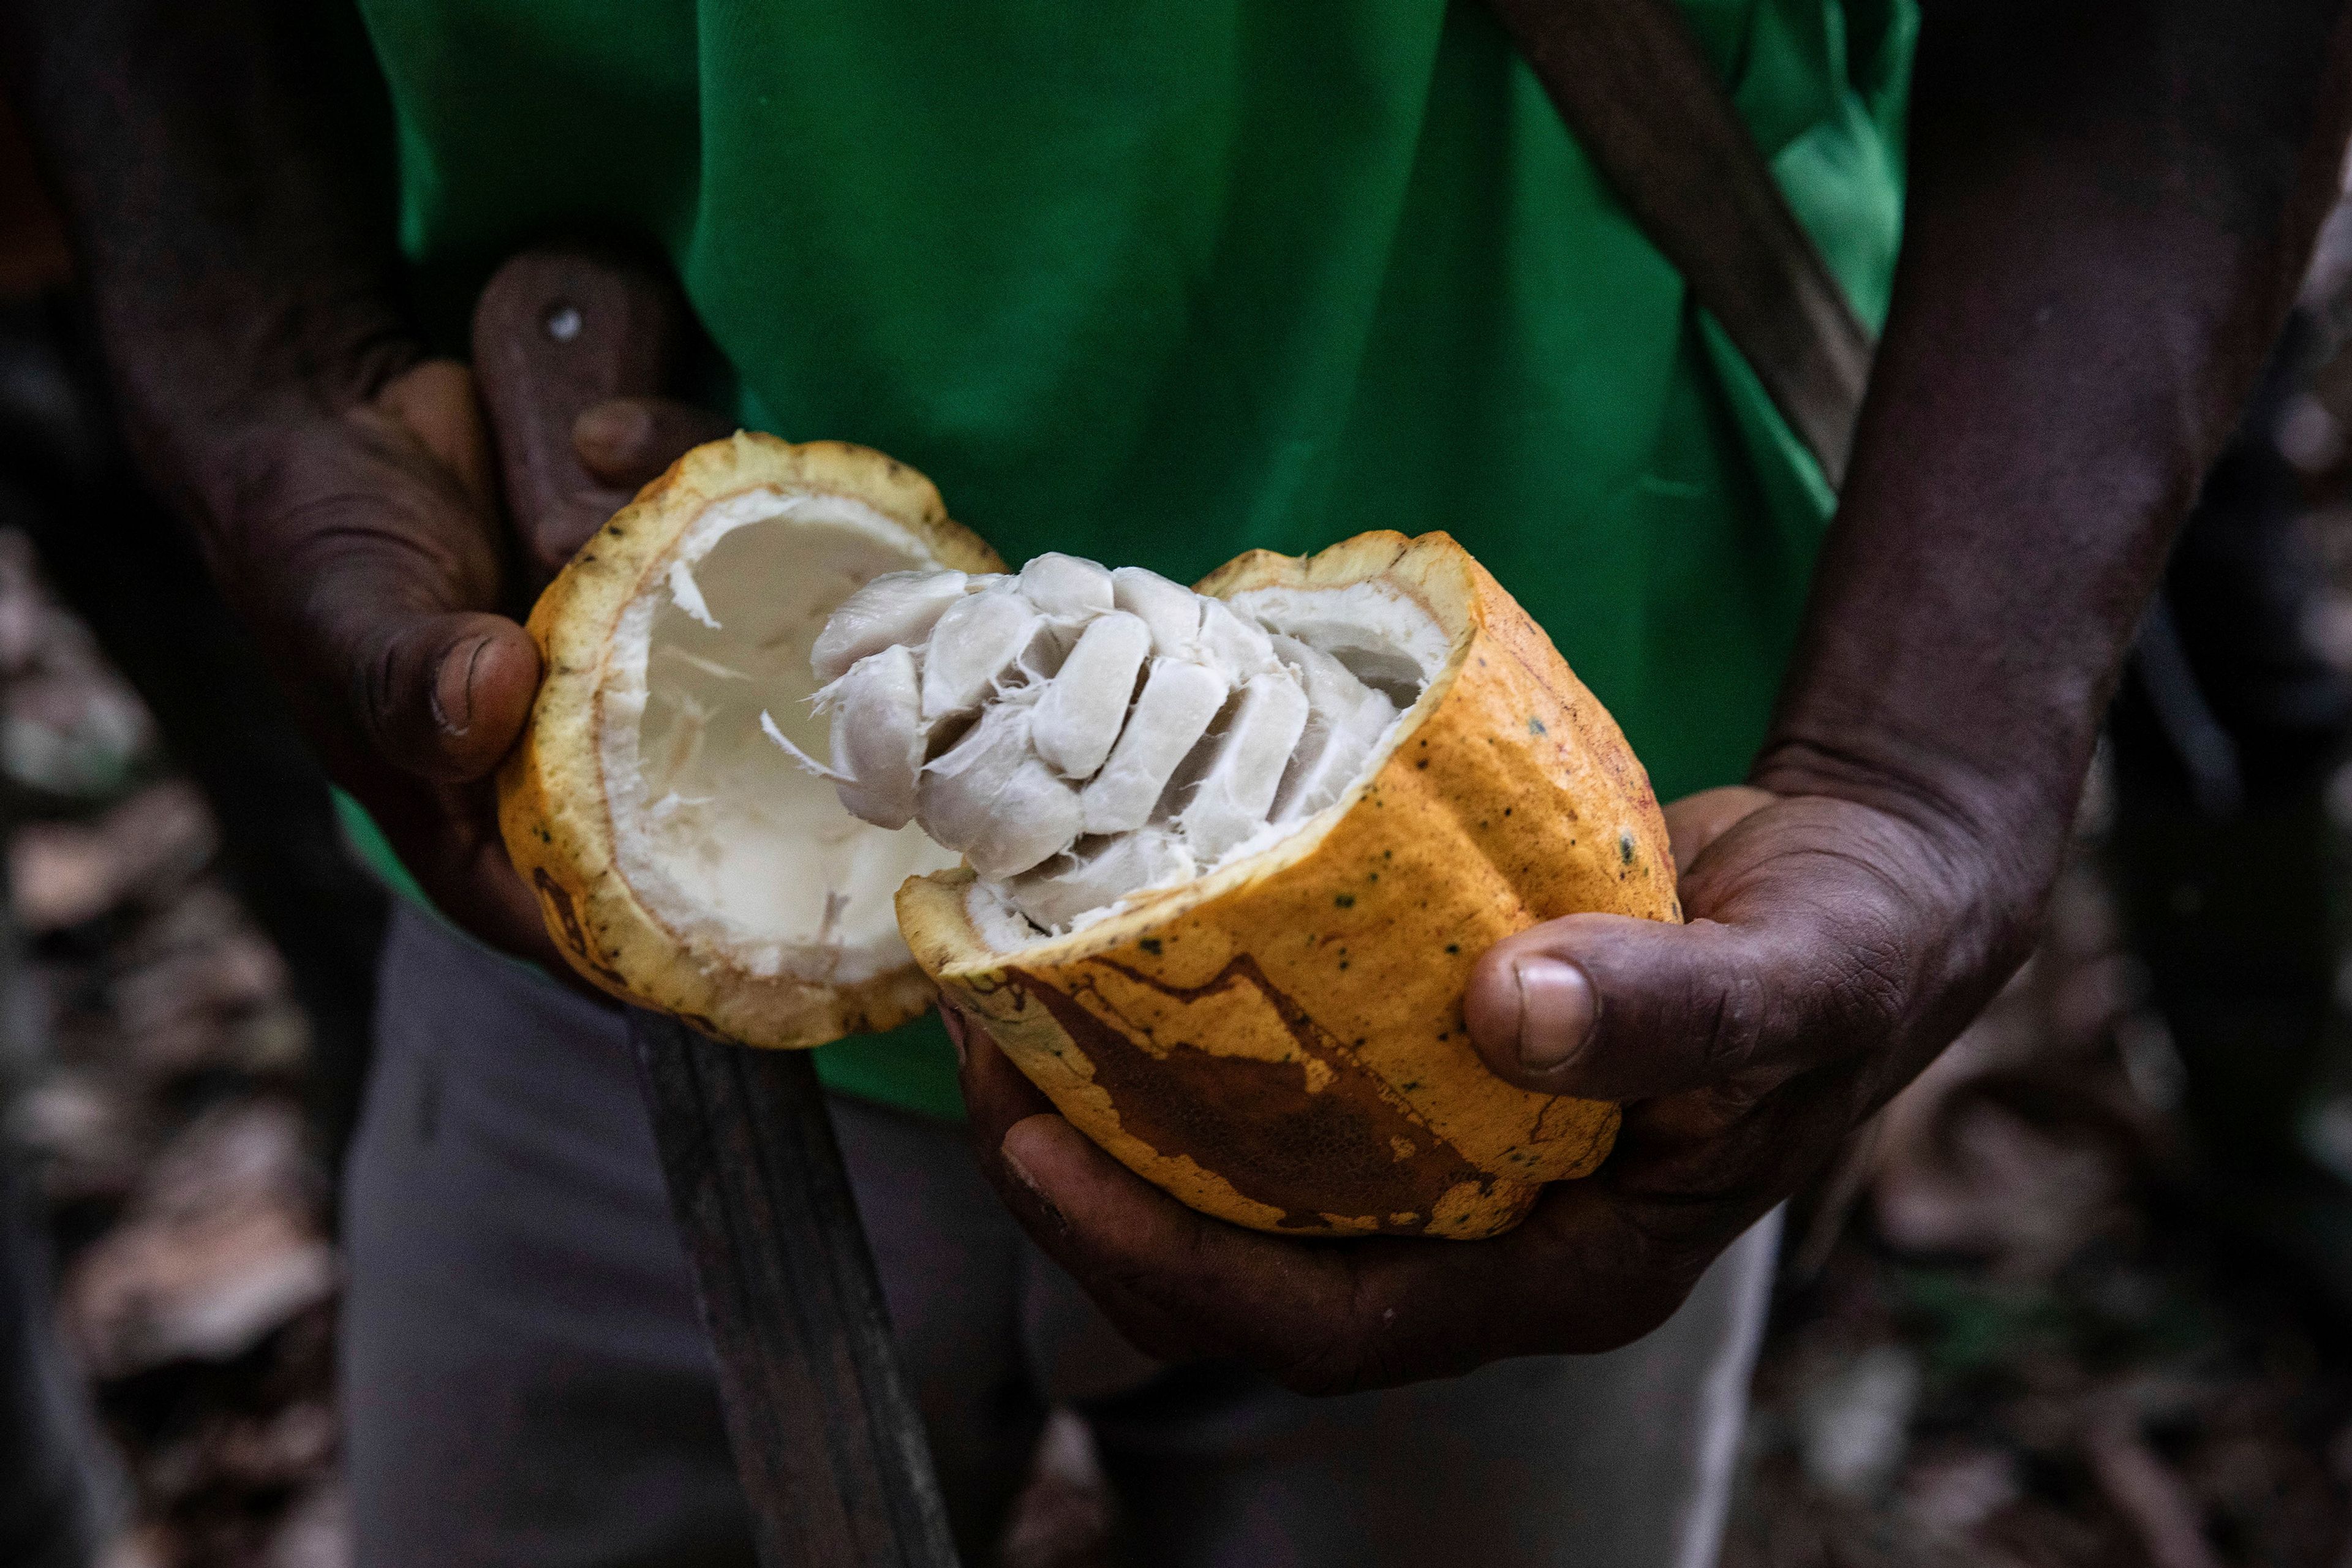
{"x":525,"y":1381}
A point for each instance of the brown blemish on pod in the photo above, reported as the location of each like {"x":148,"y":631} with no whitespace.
{"x":1258,"y":1123}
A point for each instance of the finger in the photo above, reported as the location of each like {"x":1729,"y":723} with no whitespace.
{"x":447,"y":838}
{"x":1695,"y":821}
{"x":627,"y":442}
{"x":995,"y":1093}
{"x":436,"y":401}
{"x":1179,"y":1283}
{"x":998,"y":1098}
{"x":952,"y":1019}
{"x":624,"y":444}
{"x":1063,"y":1188}
{"x":1588,"y":1272}
{"x":1814,"y":950}
{"x":555,"y":535}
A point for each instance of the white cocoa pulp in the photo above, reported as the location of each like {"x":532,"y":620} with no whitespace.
{"x":725,"y":841}
{"x":1083,"y":735}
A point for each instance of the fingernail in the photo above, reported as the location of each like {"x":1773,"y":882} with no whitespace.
{"x":457,"y":716}
{"x":1020,"y":1174}
{"x":1557,"y":1011}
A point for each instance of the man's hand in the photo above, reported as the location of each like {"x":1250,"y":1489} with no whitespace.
{"x":366,"y":548}
{"x":232,"y":200}
{"x":2109,"y":205}
{"x":370,"y":549}
{"x":1832,"y":950}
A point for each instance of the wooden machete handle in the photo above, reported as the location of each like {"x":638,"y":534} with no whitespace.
{"x":556,"y":331}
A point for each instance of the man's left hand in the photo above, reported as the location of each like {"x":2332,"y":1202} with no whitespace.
{"x":1834,"y":947}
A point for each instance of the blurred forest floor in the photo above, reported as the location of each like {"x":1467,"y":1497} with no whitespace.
{"x":160,"y":1071}
{"x":2008,"y":1332}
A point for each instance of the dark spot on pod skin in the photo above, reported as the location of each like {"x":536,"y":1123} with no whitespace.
{"x":1536,"y":726}
{"x":1255,"y":1123}
{"x":1625,"y":846}
{"x":560,"y":901}
{"x":1454,"y":947}
{"x":1149,"y":945}
{"x":559,"y":904}
{"x":1344,"y":900}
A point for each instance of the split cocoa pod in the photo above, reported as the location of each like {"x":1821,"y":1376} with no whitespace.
{"x":1228,"y":853}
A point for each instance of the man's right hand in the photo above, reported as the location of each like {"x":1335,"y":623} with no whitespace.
{"x":369,"y":549}
{"x":233,"y":199}
{"x":365,"y":548}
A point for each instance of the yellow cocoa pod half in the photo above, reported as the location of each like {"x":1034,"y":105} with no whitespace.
{"x":1279,"y":1042}
{"x":684,"y":862}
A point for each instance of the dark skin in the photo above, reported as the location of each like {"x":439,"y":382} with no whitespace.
{"x":2109,"y":209}
{"x":231,"y":191}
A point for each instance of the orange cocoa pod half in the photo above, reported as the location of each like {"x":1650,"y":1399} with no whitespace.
{"x":1280,"y":1042}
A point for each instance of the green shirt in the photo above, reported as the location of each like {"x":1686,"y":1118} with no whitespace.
{"x":1155,"y":285}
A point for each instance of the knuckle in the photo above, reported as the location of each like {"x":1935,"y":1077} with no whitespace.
{"x":380,"y":695}
{"x":1869,"y":987}
{"x":372,"y":687}
{"x":1873,"y":982}
{"x":1844,"y":986}
{"x":1741,"y":1013}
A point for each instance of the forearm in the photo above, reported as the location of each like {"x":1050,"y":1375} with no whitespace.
{"x":2109,"y":217}
{"x":226,"y":169}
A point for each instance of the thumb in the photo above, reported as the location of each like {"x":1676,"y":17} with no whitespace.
{"x":624,"y":442}
{"x":442,"y":695}
{"x":1608,"y":1007}
{"x":1807,"y":948}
